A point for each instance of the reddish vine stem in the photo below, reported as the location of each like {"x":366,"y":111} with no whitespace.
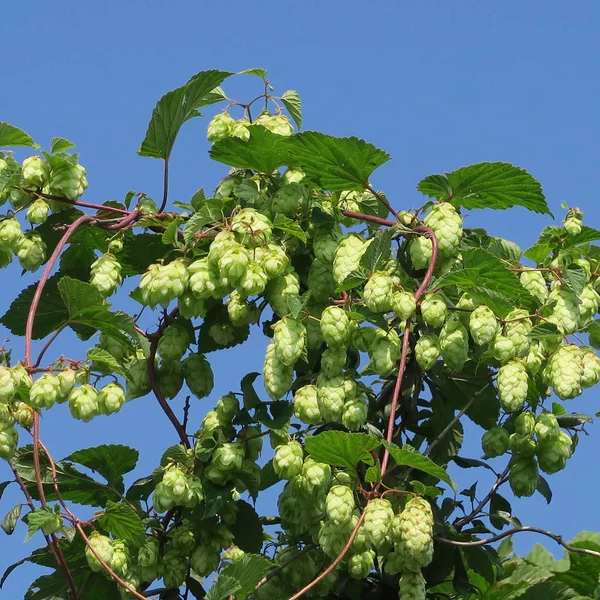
{"x":98,"y":207}
{"x":372,"y":219}
{"x":383,"y":200}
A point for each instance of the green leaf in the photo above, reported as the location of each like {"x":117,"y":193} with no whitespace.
{"x":171,"y":235}
{"x":224,"y":587}
{"x":139,"y":252}
{"x":407,"y":456}
{"x":593,"y":331}
{"x":106,"y":360}
{"x":122,"y":522}
{"x":494,"y":185}
{"x":60,"y":144}
{"x":247,"y":530}
{"x":11,"y":518}
{"x":81,"y":253}
{"x":251,"y":399}
{"x":378,"y":253}
{"x":111,"y":461}
{"x":174,"y":109}
{"x":542,"y":331}
{"x":3,"y":486}
{"x":341,"y":449}
{"x":584,"y":570}
{"x":500,"y":511}
{"x":480,"y":560}
{"x":262,"y":73}
{"x":573,"y":420}
{"x":281,"y":412}
{"x":13,"y":136}
{"x":78,"y":295}
{"x":263,"y":152}
{"x":337,"y":164}
{"x":37,"y":518}
{"x":10,"y":569}
{"x":544,"y":489}
{"x":290,"y":227}
{"x":248,"y":571}
{"x":291,"y":101}
{"x":141,"y":489}
{"x":577,"y":278}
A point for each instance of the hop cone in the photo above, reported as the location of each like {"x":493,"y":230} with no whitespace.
{"x":565,"y":313}
{"x":525,"y":423}
{"x":288,"y":460}
{"x":204,"y":283}
{"x":320,"y":280}
{"x":174,"y":342}
{"x":316,"y":476}
{"x":412,"y":532}
{"x":421,"y":251}
{"x":495,"y":442}
{"x":591,"y":368}
{"x":111,"y":399}
{"x":306,"y":406}
{"x":289,"y":340}
{"x":161,"y":284}
{"x":535,"y":284}
{"x":384,"y":353}
{"x":566,"y":372}
{"x":516,"y":331}
{"x":103,"y":547}
{"x":277,"y":376}
{"x":512,"y":380}
{"x":9,"y":438}
{"x":106,"y":274}
{"x":10,"y":233}
{"x":522,"y":445}
{"x":546,"y":427}
{"x":233,"y":263}
{"x":175,"y":570}
{"x":83,"y":403}
{"x":433,"y":310}
{"x":360,"y":565}
{"x":346,"y":258}
{"x":325,"y":245}
{"x":198,"y":375}
{"x":220,"y":127}
{"x":289,"y":199}
{"x":412,"y":586}
{"x":483,"y":325}
{"x":37,"y":213}
{"x":228,"y":457}
{"x":170,"y":378}
{"x":572,"y":225}
{"x":331,"y":395}
{"x":427,"y":351}
{"x":553,"y":454}
{"x":454,"y":345}
{"x":35,"y":172}
{"x":240,"y":311}
{"x":227,"y":407}
{"x":502,"y":348}
{"x":447,"y":226}
{"x":24,"y":415}
{"x":251,"y":227}
{"x":7,"y":384}
{"x":31,"y":251}
{"x":280,"y":290}
{"x":378,"y":292}
{"x":69,"y":181}
{"x":355,"y":413}
{"x":403,"y":304}
{"x":339,"y":504}
{"x":589,"y":303}
{"x":377,"y":521}
{"x":44,"y":391}
{"x":332,"y":537}
{"x":335,"y":326}
{"x":523,"y":477}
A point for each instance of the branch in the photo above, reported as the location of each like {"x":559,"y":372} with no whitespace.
{"x":557,"y":538}
{"x":383,"y":200}
{"x":98,"y":207}
{"x":370,"y":218}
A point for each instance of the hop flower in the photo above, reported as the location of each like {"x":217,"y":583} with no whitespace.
{"x":320,"y":280}
{"x":240,"y":311}
{"x":44,"y":391}
{"x":31,"y":251}
{"x":447,"y":226}
{"x":138,"y":383}
{"x":83,"y":403}
{"x":412,"y":532}
{"x":37,"y":213}
{"x":354,"y":413}
{"x":148,"y":553}
{"x":522,"y":445}
{"x":190,"y":307}
{"x":360,"y":565}
{"x":119,"y":562}
{"x":103,"y":547}
{"x":228,"y":457}
{"x":433,"y":310}
{"x":280,"y":290}
{"x":111,"y":399}
{"x":346,"y":258}
{"x":35,"y":172}
{"x":403,"y":304}
{"x":483,"y":325}
{"x":340,"y":504}
{"x":333,"y":361}
{"x":565,"y":313}
{"x":24,"y":415}
{"x":272,"y":259}
{"x":227,"y":407}
{"x":546,"y":427}
{"x":222,"y":333}
{"x":335,"y":326}
{"x":289,"y":340}
{"x":523,"y":477}
{"x":495,"y":442}
{"x":220,"y":127}
{"x":572,"y":225}
{"x":332,"y":537}
{"x":277,"y":377}
{"x":198,"y":375}
{"x":306,"y":406}
{"x":535,"y":284}
{"x":517,"y":326}
{"x":535,"y":357}
{"x":454,"y":345}
{"x":377,"y":521}
{"x":421,"y":251}
{"x":161,"y":284}
{"x":7,"y":384}
{"x":278,"y":124}
{"x":288,"y":460}
{"x":289,"y":199}
{"x":9,"y":438}
{"x":513,"y":381}
{"x":566,"y":372}
{"x":174,"y":342}
{"x":175,"y":570}
{"x":251,"y":227}
{"x":589,"y":303}
{"x":591,"y":368}
{"x":316,"y":476}
{"x":233,"y":263}
{"x":427,"y":351}
{"x":325,"y":245}
{"x":105,"y":274}
{"x":170,"y":378}
{"x":69,"y":181}
{"x":10,"y":233}
{"x":204,"y":283}
{"x":553,"y":454}
{"x":502,"y":348}
{"x":331,"y":395}
{"x":525,"y":423}
{"x":412,"y":586}
{"x":378,"y":292}
{"x":384,"y":353}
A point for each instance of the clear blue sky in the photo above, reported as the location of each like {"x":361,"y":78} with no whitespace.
{"x":438,"y":85}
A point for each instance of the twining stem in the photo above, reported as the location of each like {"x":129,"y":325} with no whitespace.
{"x":283,"y":565}
{"x":98,"y":207}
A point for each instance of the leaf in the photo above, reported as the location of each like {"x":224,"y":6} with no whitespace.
{"x":174,"y":109}
{"x":341,"y":449}
{"x":500,"y":511}
{"x":378,"y":253}
{"x":60,"y":144}
{"x":139,"y":252}
{"x":248,"y":571}
{"x":290,"y":227}
{"x":141,"y":489}
{"x":593,"y":330}
{"x":470,"y":463}
{"x":544,"y":489}
{"x":577,"y":278}
{"x":291,"y":101}
{"x":407,"y":456}
{"x":494,"y":185}
{"x":171,"y":235}
{"x":78,"y":295}
{"x":224,"y":587}
{"x":122,"y":522}
{"x":219,"y":316}
{"x":251,"y":399}
{"x":247,"y":530}
{"x":504,"y":249}
{"x":106,"y":359}
{"x":336,"y":164}
{"x":37,"y":518}
{"x":263,"y":152}
{"x":262,"y":73}
{"x":118,"y":325}
{"x":480,"y":561}
{"x":10,"y":569}
{"x":573,"y":420}
{"x":542,"y":331}
{"x":111,"y":461}
{"x":281,"y":412}
{"x":584,"y":570}
{"x":13,"y":136}
{"x":11,"y":518}
{"x":3,"y":486}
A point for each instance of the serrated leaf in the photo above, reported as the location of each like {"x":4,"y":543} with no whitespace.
{"x":139,"y":252}
{"x":60,"y":144}
{"x":37,"y":518}
{"x":122,"y":522}
{"x":504,"y":249}
{"x":494,"y":185}
{"x":11,"y":519}
{"x":341,"y":449}
{"x":263,"y":152}
{"x":470,"y":463}
{"x":13,"y":136}
{"x":10,"y":569}
{"x":176,"y":453}
{"x":262,"y":73}
{"x":543,"y":330}
{"x":290,"y":227}
{"x":78,"y":295}
{"x":336,"y":164}
{"x":268,"y":477}
{"x":577,"y":278}
{"x":378,"y":253}
{"x":106,"y":359}
{"x":407,"y":456}
{"x":481,"y":562}
{"x":293,"y":104}
{"x":593,"y":331}
{"x":171,"y":235}
{"x":141,"y":489}
{"x":280,"y":414}
{"x":224,"y":587}
{"x":248,"y":571}
{"x":174,"y":109}
{"x":584,"y":570}
{"x":247,"y":530}
{"x":111,"y":461}
{"x":251,"y":399}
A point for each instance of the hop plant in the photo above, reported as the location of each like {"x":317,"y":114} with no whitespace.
{"x":403,"y":304}
{"x":535,"y":284}
{"x":169,"y":376}
{"x":483,"y":325}
{"x":251,"y":228}
{"x":240,"y":311}
{"x":513,"y":383}
{"x":161,"y":284}
{"x":174,"y":342}
{"x":148,"y":553}
{"x":227,"y":407}
{"x":45,"y":391}
{"x":111,"y":399}
{"x":553,"y":454}
{"x":454,"y":345}
{"x":591,"y":368}
{"x":502,"y":348}
{"x":105,"y":274}
{"x":572,"y":222}
{"x":288,"y":460}
{"x":412,"y":586}
{"x":412,"y":532}
{"x":433,"y":310}
{"x":278,"y":124}
{"x":175,"y":570}
{"x":10,"y":233}
{"x":228,"y":457}
{"x":83,"y":403}
{"x":119,"y":561}
{"x":339,"y":504}
{"x":289,"y":340}
{"x":102,"y":547}
{"x":566,"y":372}
{"x":523,"y":476}
{"x":333,"y":361}
{"x":68,"y":181}
{"x":220,"y":127}
{"x":421,"y":251}
{"x":332,"y":537}
{"x":565,"y":314}
{"x":320,"y":280}
{"x":384,"y":353}
{"x":427,"y":351}
{"x":525,"y":423}
{"x":335,"y":326}
{"x":24,"y":415}
{"x":35,"y":172}
{"x":316,"y":476}
{"x":306,"y":405}
{"x":589,"y":303}
{"x":31,"y":251}
{"x":516,"y":328}
{"x":198,"y":375}
{"x":377,"y":521}
{"x":37,"y":213}
{"x":447,"y":226}
{"x":378,"y":292}
{"x":360,"y":565}
{"x":346,"y":258}
{"x":281,"y":290}
{"x":494,"y":442}
{"x":331,"y":396}
{"x":546,"y":427}
{"x":277,"y":376}
{"x":9,"y":439}
{"x":7,"y":384}
{"x":355,"y":413}
{"x":272,"y":259}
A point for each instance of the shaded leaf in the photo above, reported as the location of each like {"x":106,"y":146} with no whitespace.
{"x":407,"y":456}
{"x":11,"y":518}
{"x":544,"y":489}
{"x":106,"y":360}
{"x":247,"y":530}
{"x":224,"y":587}
{"x":251,"y":399}
{"x":290,"y":227}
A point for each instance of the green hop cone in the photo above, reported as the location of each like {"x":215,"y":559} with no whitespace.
{"x":6,"y":257}
{"x":377,"y":521}
{"x":446,"y":223}
{"x":565,"y":314}
{"x":535,"y":357}
{"x":7,"y":384}
{"x":535,"y":284}
{"x":495,"y":442}
{"x":24,"y":415}
{"x":35,"y":172}
{"x":289,"y":340}
{"x":591,"y":368}
{"x":272,"y":259}
{"x":68,"y":181}
{"x":174,"y":342}
{"x":9,"y":438}
{"x":222,"y":333}
{"x":190,"y":306}
{"x":253,"y":441}
{"x":19,"y":199}
{"x":347,"y":256}
{"x":227,"y":408}
{"x":589,"y":303}
{"x":161,"y":284}
{"x":203,"y":280}
{"x":404,"y":305}
{"x":355,"y":413}
{"x":316,"y":476}
{"x":572,"y":225}
{"x":138,"y":383}
{"x":546,"y":427}
{"x":553,"y":454}
{"x":281,"y":290}
{"x":412,"y":532}
{"x":111,"y":399}
{"x":148,"y":553}
{"x":483,"y":325}
{"x":360,"y":565}
{"x":83,"y":403}
{"x":105,"y":274}
{"x":378,"y":292}
{"x":103,"y":547}
{"x":512,"y":380}
{"x":288,"y":460}
{"x":332,"y":537}
{"x":119,"y":562}
{"x":412,"y":586}
{"x":331,"y":396}
{"x":468,"y":304}
{"x":169,"y":376}
{"x":433,"y":310}
{"x":220,"y":127}
{"x":175,"y":570}
{"x":233,"y":554}
{"x":251,"y":228}
{"x":522,"y":445}
{"x":427,"y":351}
{"x":289,"y":199}
{"x":228,"y":457}
{"x":278,"y":124}
{"x":320,"y":281}
{"x":300,"y":571}
{"x":52,"y":526}
{"x":523,"y":477}
{"x":335,"y":326}
{"x":384,"y":353}
{"x":516,"y":328}
{"x":326,"y":244}
{"x":240,"y":311}
{"x":233,"y":263}
{"x":333,"y":361}
{"x":421,"y":251}
{"x":306,"y":405}
{"x":253,"y":282}
{"x":525,"y":423}
{"x":339,"y":504}
{"x":45,"y":391}
{"x":112,"y":346}
{"x":31,"y":251}
{"x":37,"y":213}
{"x":240,"y":129}
{"x":10,"y":233}
{"x":502,"y":348}
{"x":6,"y":415}
{"x":198,"y":375}
{"x":454,"y":345}
{"x":566,"y":371}
{"x":277,"y":377}
{"x":66,"y":380}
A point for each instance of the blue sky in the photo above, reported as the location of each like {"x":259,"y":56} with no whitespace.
{"x":438,"y":85}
